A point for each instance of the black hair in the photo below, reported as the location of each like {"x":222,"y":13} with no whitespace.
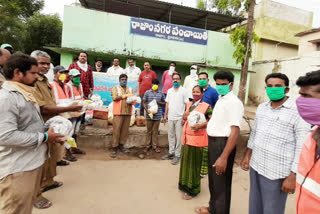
{"x":175,"y":64}
{"x":310,"y":79}
{"x":204,"y":73}
{"x":147,"y":62}
{"x":197,"y":86}
{"x":123,"y":75}
{"x":224,"y":75}
{"x":116,"y":58}
{"x":176,"y":73}
{"x":83,"y":52}
{"x":0,"y":52}
{"x":131,"y":59}
{"x":279,"y":76}
{"x":155,"y":81}
{"x":22,"y":62}
{"x":99,"y":60}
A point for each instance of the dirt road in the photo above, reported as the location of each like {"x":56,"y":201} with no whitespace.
{"x":97,"y":185}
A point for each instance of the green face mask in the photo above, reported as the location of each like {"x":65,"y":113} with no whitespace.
{"x":76,"y":81}
{"x":203,"y":83}
{"x":276,"y":93}
{"x":223,"y":89}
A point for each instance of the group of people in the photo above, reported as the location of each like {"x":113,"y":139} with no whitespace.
{"x":282,"y":154}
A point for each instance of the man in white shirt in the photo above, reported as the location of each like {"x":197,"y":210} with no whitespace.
{"x":176,"y":101}
{"x":132,"y":70}
{"x":191,"y":80}
{"x":115,"y":69}
{"x":223,"y":130}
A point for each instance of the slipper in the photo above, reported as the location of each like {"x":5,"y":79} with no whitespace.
{"x":43,"y":204}
{"x":70,"y":157}
{"x":77,"y":151}
{"x":55,"y":185}
{"x":202,"y":210}
{"x":62,"y":163}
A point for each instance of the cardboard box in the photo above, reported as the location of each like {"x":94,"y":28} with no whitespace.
{"x":100,"y":114}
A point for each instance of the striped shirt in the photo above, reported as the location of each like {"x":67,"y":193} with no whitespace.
{"x":159,"y":97}
{"x":276,"y":140}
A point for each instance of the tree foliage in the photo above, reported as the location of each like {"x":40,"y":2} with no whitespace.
{"x":25,"y":28}
{"x":238,"y":39}
{"x":201,"y":5}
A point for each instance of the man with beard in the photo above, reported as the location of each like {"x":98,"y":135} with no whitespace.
{"x":23,"y":142}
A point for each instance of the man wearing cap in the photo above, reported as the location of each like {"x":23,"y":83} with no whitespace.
{"x":74,"y":92}
{"x":4,"y":55}
{"x":48,"y":109}
{"x":61,"y":99}
{"x":8,"y":47}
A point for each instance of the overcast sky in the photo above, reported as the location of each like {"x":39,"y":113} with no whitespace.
{"x":56,"y":6}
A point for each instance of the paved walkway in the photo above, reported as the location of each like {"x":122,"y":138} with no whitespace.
{"x":96,"y":185}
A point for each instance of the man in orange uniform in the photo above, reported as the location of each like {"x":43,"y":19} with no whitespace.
{"x":121,"y":115}
{"x":74,"y":91}
{"x":308,"y":175}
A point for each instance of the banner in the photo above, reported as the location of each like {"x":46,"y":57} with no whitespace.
{"x":103,"y":84}
{"x":168,"y":31}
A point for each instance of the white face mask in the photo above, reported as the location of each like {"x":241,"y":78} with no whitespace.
{"x":193,"y":72}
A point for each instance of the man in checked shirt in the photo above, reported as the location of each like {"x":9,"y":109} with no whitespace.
{"x":274,"y":148}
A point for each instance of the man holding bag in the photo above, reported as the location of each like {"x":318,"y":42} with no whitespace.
{"x":121,"y":114}
{"x":153,"y":118}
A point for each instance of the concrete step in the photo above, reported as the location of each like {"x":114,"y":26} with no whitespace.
{"x":102,"y":138}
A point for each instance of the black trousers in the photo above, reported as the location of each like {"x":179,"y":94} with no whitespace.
{"x":141,"y":106}
{"x":219,"y":185}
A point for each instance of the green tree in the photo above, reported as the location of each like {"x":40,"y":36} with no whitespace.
{"x":242,"y":36}
{"x":44,"y":30}
{"x":201,"y":5}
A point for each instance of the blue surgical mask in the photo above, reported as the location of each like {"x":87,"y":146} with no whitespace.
{"x":176,"y":84}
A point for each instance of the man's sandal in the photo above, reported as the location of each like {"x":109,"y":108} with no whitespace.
{"x":186,"y":196}
{"x":43,"y":204}
{"x":55,"y":185}
{"x":202,"y":210}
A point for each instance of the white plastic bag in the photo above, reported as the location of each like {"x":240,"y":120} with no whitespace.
{"x":153,"y":106}
{"x":196,"y":117}
{"x":133,"y":99}
{"x":60,"y":126}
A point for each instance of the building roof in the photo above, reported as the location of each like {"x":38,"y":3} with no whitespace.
{"x":314,"y":30}
{"x":165,"y":12}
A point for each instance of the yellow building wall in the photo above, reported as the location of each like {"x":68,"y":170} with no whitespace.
{"x":307,"y":47}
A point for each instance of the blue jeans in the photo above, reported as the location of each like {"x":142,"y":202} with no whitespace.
{"x":266,"y":196}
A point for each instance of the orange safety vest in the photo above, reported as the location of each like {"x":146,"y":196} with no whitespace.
{"x":58,"y":93}
{"x":308,"y":179}
{"x":198,"y":138}
{"x":118,"y":104}
{"x":76,"y":93}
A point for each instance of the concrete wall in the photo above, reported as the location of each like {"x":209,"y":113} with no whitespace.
{"x":268,"y":50}
{"x":305,"y":46}
{"x":109,"y":33}
{"x":292,"y":67}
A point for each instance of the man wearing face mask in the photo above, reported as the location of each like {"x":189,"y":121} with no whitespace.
{"x":274,"y":148}
{"x":210,"y":95}
{"x":176,"y":101}
{"x":308,"y":174}
{"x":132,"y":70}
{"x":58,"y":84}
{"x":154,"y":122}
{"x":191,"y":80}
{"x":121,"y":115}
{"x":223,"y":131}
{"x":98,"y":66}
{"x":167,"y":78}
